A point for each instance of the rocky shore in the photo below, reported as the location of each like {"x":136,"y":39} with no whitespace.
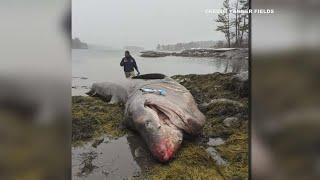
{"x":154,"y":54}
{"x":220,"y":152}
{"x":230,"y":53}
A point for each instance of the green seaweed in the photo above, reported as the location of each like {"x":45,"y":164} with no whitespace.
{"x":235,"y":151}
{"x":92,"y":117}
{"x":191,"y":162}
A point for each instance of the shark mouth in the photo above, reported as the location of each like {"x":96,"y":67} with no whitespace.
{"x":170,"y":115}
{"x":164,"y":118}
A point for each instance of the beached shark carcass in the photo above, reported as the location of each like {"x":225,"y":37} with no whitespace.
{"x":159,"y":108}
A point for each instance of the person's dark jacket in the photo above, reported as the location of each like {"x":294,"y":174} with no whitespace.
{"x":129,"y":64}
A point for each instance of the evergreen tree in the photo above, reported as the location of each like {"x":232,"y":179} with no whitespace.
{"x":244,"y":23}
{"x":236,"y":23}
{"x":224,"y":21}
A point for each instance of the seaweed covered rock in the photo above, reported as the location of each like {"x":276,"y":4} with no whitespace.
{"x":212,"y":86}
{"x":225,"y":104}
{"x":231,"y":121}
{"x":92,"y":117}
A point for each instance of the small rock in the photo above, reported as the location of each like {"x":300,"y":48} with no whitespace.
{"x":105,"y":172}
{"x":215,"y":141}
{"x":138,"y":152}
{"x":216,"y":157}
{"x":243,"y":76}
{"x":231,"y":122}
{"x":136,"y":174}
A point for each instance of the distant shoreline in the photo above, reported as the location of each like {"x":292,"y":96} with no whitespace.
{"x":77,"y":44}
{"x":229,"y":53}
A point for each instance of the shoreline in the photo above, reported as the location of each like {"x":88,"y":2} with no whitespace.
{"x":227,"y":53}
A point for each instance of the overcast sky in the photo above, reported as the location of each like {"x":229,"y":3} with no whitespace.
{"x":145,"y":23}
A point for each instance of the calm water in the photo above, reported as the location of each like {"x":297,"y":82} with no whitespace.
{"x":91,"y":65}
{"x":112,"y":159}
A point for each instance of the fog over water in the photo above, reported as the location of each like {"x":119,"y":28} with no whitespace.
{"x":143,"y":23}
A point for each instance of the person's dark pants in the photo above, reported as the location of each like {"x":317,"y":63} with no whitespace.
{"x":129,"y":74}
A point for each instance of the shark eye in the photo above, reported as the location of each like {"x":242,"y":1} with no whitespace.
{"x":149,"y":124}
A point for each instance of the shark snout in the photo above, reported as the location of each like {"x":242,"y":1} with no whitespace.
{"x":163,"y":151}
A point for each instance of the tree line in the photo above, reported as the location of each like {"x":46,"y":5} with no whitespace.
{"x":233,"y":24}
